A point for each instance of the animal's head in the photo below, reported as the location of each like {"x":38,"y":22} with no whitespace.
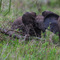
{"x":39,"y":22}
{"x":28,"y":18}
{"x":45,"y":13}
{"x":33,"y":14}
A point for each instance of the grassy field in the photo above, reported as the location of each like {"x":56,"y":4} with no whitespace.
{"x":34,"y":49}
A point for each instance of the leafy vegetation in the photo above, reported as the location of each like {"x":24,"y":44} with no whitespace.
{"x":35,"y":49}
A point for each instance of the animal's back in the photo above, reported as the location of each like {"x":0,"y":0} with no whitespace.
{"x":18,"y":24}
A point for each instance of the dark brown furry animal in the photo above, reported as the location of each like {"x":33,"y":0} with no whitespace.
{"x":28,"y":20}
{"x":18,"y":24}
{"x":39,"y":24}
{"x":39,"y":21}
{"x":51,"y":20}
{"x":45,"y":13}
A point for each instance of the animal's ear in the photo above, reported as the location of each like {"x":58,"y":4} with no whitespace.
{"x":32,"y":15}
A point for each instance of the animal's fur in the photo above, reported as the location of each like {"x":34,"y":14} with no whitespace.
{"x":39,"y":24}
{"x":18,"y":24}
{"x":45,"y":13}
{"x":28,"y":20}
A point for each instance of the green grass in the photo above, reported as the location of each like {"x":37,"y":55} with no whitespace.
{"x":34,"y":49}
